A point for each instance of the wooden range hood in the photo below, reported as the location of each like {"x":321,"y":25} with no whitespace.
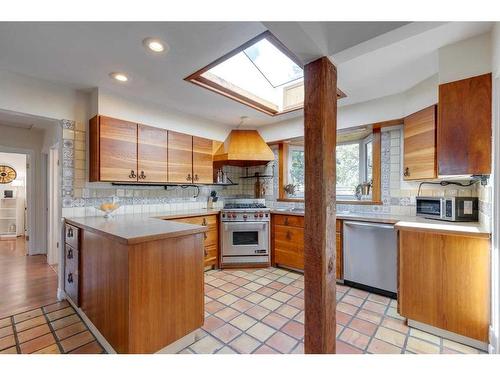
{"x":243,"y":148}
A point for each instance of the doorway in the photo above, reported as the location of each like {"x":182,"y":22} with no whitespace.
{"x":54,"y":214}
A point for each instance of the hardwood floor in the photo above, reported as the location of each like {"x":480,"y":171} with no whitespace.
{"x":25,"y":281}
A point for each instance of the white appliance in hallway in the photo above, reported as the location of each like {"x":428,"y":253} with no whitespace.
{"x":245,"y":232}
{"x":370,"y":256}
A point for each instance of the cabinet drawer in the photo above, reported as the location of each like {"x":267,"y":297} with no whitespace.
{"x":211,"y":255}
{"x":211,"y":238}
{"x":289,"y":220}
{"x":289,"y":236}
{"x":210,"y":220}
{"x":71,"y":273}
{"x":72,"y":235}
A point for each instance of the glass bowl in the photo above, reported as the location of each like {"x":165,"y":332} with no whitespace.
{"x":108,"y":208}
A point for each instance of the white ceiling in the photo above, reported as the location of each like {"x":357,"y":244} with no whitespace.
{"x":374,"y":58}
{"x":12,"y":119}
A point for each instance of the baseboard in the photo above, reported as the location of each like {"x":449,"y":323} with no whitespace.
{"x":60,"y":294}
{"x":494,"y":346}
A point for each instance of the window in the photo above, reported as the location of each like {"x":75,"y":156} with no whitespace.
{"x":262,"y":74}
{"x":296,"y":170}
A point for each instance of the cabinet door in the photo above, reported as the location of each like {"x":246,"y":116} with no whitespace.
{"x":152,"y":154}
{"x":118,"y":150}
{"x":289,"y":246}
{"x":420,"y":145}
{"x":464,"y":128}
{"x":180,"y":158}
{"x":203,"y":172}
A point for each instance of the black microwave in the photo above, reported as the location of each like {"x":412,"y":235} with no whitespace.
{"x":448,"y":208}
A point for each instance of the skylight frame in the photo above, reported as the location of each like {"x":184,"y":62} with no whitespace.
{"x":242,"y":96}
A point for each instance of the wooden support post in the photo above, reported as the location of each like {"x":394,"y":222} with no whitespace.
{"x":320,"y":127}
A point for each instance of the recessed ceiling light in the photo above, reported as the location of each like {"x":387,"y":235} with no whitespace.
{"x":155,"y":45}
{"x":119,"y":77}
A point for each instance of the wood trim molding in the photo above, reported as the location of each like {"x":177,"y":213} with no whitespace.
{"x":377,"y":166}
{"x":283,"y":170}
{"x":320,"y":131}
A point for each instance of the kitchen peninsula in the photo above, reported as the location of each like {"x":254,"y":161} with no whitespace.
{"x":138,"y":280}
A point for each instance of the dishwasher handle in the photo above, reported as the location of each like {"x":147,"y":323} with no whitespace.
{"x":371,"y":225}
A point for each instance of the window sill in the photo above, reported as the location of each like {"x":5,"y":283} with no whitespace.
{"x":354,"y":202}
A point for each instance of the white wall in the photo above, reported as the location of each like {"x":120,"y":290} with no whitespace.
{"x":467,"y":58}
{"x":110,"y":104}
{"x":42,"y":98}
{"x":15,"y":139}
{"x":18,"y":162}
{"x":390,"y":107}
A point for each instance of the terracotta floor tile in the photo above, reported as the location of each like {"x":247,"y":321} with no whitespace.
{"x":253,"y":286}
{"x":226,"y":333}
{"x":288,"y":311}
{"x":228,"y":299}
{"x":300,"y":317}
{"x":215,"y":293}
{"x":265,"y":291}
{"x":243,"y":322}
{"x":281,"y":342}
{"x":226,"y":350}
{"x":358,"y":293}
{"x":257,"y":312}
{"x":347,"y":308}
{"x":37,"y":344}
{"x":390,"y":336}
{"x":425,"y":336}
{"x":260,"y":331}
{"x":11,"y":350}
{"x":356,"y":301}
{"x":271,"y":304}
{"x":380,"y":299}
{"x":5,"y":322}
{"x":66,"y":321}
{"x":422,"y":347}
{"x":90,"y":348}
{"x":70,"y":330}
{"x":60,"y":313}
{"x":455,"y":346}
{"x":6,"y":331}
{"x":227,"y":314}
{"x":212,"y":323}
{"x":7,"y":341}
{"x":27,"y":315}
{"x":255,"y":297}
{"x":344,"y":348}
{"x":355,"y":338}
{"x":363,"y":326}
{"x":228,"y":287}
{"x":369,"y":316}
{"x":242,"y":305}
{"x":275,"y":320}
{"x":76,"y":341}
{"x":264,"y":349}
{"x":56,"y":306}
{"x":263,"y":281}
{"x":52,"y":349}
{"x":244,"y":344}
{"x":291,"y":290}
{"x":213,"y":306}
{"x":381,"y":347}
{"x":276,"y":285}
{"x":240,"y":281}
{"x":374,"y":306}
{"x":395,"y":324}
{"x":33,"y":333}
{"x":297,"y":302}
{"x":299,"y":349}
{"x":206,"y":345}
{"x":343,"y":318}
{"x":294,"y":329}
{"x":282,"y":297}
{"x":27,"y":324}
{"x":241,"y":292}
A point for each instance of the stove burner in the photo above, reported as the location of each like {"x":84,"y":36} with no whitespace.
{"x":232,"y":206}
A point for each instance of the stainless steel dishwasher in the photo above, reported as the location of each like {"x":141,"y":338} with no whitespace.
{"x":370,"y":257}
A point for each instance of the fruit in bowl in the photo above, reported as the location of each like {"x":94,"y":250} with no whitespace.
{"x":108,"y":208}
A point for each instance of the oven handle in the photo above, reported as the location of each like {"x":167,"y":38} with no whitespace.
{"x":244,"y":226}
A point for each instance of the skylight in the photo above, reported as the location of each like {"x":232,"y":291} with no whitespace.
{"x":262,"y":74}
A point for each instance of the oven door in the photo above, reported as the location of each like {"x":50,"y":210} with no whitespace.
{"x":245,"y":238}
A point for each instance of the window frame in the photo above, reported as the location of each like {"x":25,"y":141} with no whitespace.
{"x":239,"y":94}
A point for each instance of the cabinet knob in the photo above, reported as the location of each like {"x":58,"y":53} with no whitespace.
{"x":132,"y":174}
{"x":407,"y":172}
{"x":70,"y":233}
{"x":70,"y":254}
{"x":142,"y":175}
{"x":196,"y":177}
{"x":70,"y":278}
{"x":189,"y":178}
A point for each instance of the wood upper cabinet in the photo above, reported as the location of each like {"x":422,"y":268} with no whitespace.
{"x":180,"y":157}
{"x":203,"y":170}
{"x":444,"y":281}
{"x":464,"y":127}
{"x":152,"y":154}
{"x":113,"y":150}
{"x":420,"y":145}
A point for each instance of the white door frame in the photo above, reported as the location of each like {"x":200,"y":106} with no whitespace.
{"x":53,"y":193}
{"x":30,"y":178}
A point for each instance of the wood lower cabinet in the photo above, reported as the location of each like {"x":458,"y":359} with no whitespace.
{"x":420,"y":145}
{"x":203,"y":170}
{"x":444,"y":281}
{"x":211,"y":237}
{"x":152,"y":154}
{"x":113,"y":150}
{"x":287,"y":237}
{"x":180,"y":158}
{"x":464,"y":127}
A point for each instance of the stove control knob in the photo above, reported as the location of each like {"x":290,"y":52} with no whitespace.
{"x":255,"y":215}
{"x":245,"y":216}
{"x":261,"y":215}
{"x":234,"y":216}
{"x":223,"y":215}
{"x":267,"y":215}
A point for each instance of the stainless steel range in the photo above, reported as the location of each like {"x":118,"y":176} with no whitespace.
{"x":245,"y":232}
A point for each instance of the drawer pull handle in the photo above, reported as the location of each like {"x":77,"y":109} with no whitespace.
{"x":204,"y":222}
{"x":70,"y":233}
{"x":70,"y":278}
{"x":407,"y":172}
{"x":132,"y":174}
{"x":70,"y":254}
{"x":196,"y":177}
{"x":189,"y":178}
{"x":205,"y":235}
{"x":142,"y":175}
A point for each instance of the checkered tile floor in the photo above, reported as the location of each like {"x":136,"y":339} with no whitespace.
{"x":262,"y":311}
{"x":52,"y":329}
